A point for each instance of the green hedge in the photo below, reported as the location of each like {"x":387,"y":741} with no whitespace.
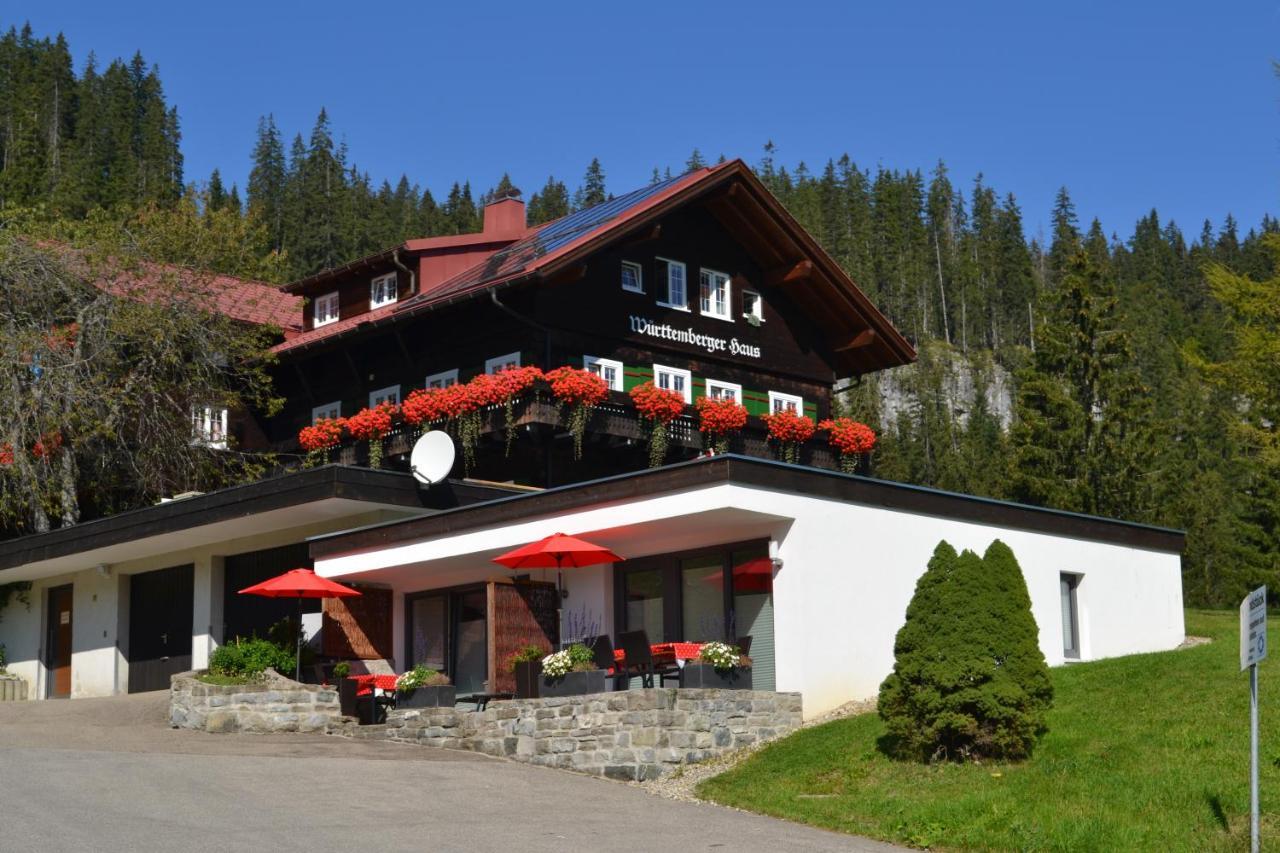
{"x":250,"y":658}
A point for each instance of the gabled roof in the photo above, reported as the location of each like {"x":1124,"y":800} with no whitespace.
{"x":859,"y":338}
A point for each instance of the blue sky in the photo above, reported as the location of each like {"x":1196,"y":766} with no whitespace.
{"x":1131,"y":105}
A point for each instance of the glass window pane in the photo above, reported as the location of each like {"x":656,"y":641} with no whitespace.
{"x":427,"y":628}
{"x":1069,"y":640}
{"x":702,"y":597}
{"x":752,"y":614}
{"x":644,"y":603}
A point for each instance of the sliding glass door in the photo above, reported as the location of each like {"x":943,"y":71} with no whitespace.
{"x":448,"y":631}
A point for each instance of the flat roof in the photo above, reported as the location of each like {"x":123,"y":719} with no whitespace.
{"x":759,"y":473}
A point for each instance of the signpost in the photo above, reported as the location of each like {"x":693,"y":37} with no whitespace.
{"x":1253,"y":648}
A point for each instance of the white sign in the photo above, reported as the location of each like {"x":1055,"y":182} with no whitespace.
{"x":710,"y":343}
{"x":1253,"y":628}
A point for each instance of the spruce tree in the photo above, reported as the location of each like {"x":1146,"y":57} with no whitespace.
{"x":267,"y":178}
{"x":592,"y":191}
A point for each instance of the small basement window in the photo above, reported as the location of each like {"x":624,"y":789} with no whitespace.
{"x":778,"y":402}
{"x":715,"y":295}
{"x":502,"y":362}
{"x":382,"y":290}
{"x":442,"y":380}
{"x":674,"y":379}
{"x":325,"y":309}
{"x":676,"y":292}
{"x":632,"y":277}
{"x":606,"y":368}
{"x":718,"y":390}
{"x":328,"y":410}
{"x":1068,"y":584}
{"x":390,"y":394}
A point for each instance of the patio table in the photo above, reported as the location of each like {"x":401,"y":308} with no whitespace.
{"x":663,"y":652}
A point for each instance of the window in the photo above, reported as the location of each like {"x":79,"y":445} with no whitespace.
{"x":390,"y":394}
{"x":674,"y":379}
{"x":502,"y":362}
{"x":632,"y":279}
{"x":718,"y":390}
{"x":778,"y":402}
{"x":442,"y":380}
{"x":607,"y":369}
{"x":382,"y":290}
{"x":209,"y":426}
{"x":715,"y":295}
{"x":1070,"y":616}
{"x":325,"y":309}
{"x":328,"y":410}
{"x":752,"y":305}
{"x":676,"y":294}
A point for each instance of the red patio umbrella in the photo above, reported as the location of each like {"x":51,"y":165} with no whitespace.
{"x":299,"y":584}
{"x":557,"y":551}
{"x":752,"y":576}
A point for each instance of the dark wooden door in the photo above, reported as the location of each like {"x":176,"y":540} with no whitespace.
{"x":59,"y":644}
{"x":160,"y":606}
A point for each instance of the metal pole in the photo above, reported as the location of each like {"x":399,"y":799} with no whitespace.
{"x":297,"y":645}
{"x":1253,"y":759}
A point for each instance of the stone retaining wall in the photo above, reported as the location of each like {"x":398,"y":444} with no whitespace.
{"x":275,"y":704}
{"x":630,"y":734}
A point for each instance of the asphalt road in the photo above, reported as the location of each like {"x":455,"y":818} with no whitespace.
{"x":109,"y":775}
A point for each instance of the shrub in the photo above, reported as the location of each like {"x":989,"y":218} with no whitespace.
{"x":722,"y":656}
{"x":250,"y":658}
{"x":576,"y":658}
{"x":341,"y":670}
{"x":528,"y":653}
{"x":420,"y":676}
{"x":3,"y":660}
{"x":969,"y":680}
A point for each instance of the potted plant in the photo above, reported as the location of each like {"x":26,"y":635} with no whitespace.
{"x":718,"y":665}
{"x":346,"y":688}
{"x":526,"y":665}
{"x":423,"y":687}
{"x":571,"y":672}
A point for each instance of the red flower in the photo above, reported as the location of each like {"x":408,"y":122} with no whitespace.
{"x":6,"y":454}
{"x":577,"y":387}
{"x":425,"y":405}
{"x":47,"y":446}
{"x":511,"y":381}
{"x":789,"y":427}
{"x":371,"y":424}
{"x":322,"y":435}
{"x":657,"y":404}
{"x":849,"y":436}
{"x":720,"y":416}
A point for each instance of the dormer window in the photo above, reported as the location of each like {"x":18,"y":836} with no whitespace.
{"x":671,"y":283}
{"x":382,"y":290}
{"x":325,"y":309}
{"x":715,"y":295}
{"x":632,"y":279}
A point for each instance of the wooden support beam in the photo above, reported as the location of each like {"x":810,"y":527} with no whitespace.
{"x":801,"y":270}
{"x":764,"y":250}
{"x":865,"y":338}
{"x":569,"y":276}
{"x":645,"y":236}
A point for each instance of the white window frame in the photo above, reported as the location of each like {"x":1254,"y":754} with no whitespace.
{"x":706,"y":306}
{"x":759,"y":312}
{"x":386,"y":394}
{"x":776,"y":397}
{"x":328,"y":410}
{"x":675,"y":371}
{"x":328,"y":301}
{"x":638,"y":269}
{"x":665,"y":300}
{"x":445,"y":378}
{"x":374,"y":286}
{"x":493,"y":365}
{"x":590,"y":361}
{"x":209,"y":426}
{"x":716,"y":384}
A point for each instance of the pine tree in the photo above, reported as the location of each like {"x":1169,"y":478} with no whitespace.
{"x":267,"y":191}
{"x":592,"y":191}
{"x":695,"y":161}
{"x":550,"y":202}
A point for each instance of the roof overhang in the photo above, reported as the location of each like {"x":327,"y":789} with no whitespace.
{"x":325,"y":494}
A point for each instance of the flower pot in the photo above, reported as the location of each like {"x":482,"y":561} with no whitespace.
{"x":705,"y":675}
{"x":347,"y":688}
{"x":440,"y":696}
{"x":528,"y":675}
{"x":572,"y":684}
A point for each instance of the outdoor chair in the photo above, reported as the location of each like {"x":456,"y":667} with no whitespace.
{"x":637,"y":660}
{"x":744,"y":645}
{"x":602,"y":650}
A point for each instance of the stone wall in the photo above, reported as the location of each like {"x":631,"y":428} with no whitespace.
{"x":630,"y":734}
{"x":275,"y":704}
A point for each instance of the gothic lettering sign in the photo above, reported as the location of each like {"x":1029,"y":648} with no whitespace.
{"x":692,"y":337}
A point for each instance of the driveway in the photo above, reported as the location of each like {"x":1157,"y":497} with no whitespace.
{"x":110,"y":775}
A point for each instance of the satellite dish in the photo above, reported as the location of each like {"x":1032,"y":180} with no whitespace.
{"x":432,"y":457}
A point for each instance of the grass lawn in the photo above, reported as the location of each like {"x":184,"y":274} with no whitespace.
{"x":1149,"y":752}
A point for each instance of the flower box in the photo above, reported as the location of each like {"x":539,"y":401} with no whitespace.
{"x":573,"y":684}
{"x":528,"y":675}
{"x":440,"y":696}
{"x":705,"y":675}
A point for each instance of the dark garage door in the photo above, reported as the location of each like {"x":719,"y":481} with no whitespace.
{"x":160,"y":609}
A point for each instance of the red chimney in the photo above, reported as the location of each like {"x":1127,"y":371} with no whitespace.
{"x":504,"y":216}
